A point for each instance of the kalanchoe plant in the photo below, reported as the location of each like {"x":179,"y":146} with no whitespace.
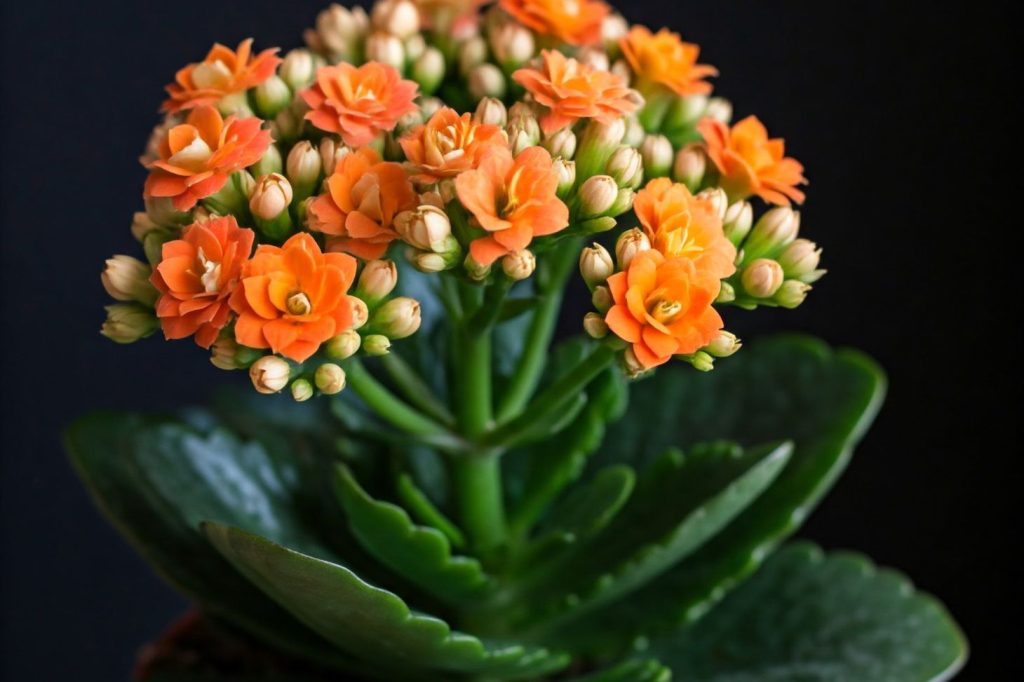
{"x":463,"y":498}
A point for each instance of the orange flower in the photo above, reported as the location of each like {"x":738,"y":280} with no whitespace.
{"x":750,"y":163}
{"x":197,"y":156}
{"x":197,"y":274}
{"x":681,"y":225}
{"x":293,"y":298}
{"x":571,"y":91}
{"x":363,"y":196}
{"x":663,"y":58}
{"x":512,"y":199}
{"x":663,"y":307}
{"x":359,"y":102}
{"x":448,"y":145}
{"x":223,"y":72}
{"x":577,"y":22}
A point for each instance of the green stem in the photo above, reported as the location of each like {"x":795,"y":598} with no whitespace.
{"x":388,"y":406}
{"x":481,"y":506}
{"x":415,"y":389}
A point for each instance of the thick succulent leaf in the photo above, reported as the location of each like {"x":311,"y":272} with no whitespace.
{"x":420,"y":554}
{"x":810,"y":617}
{"x":367,"y":621}
{"x":783,"y":388}
{"x":635,"y":670}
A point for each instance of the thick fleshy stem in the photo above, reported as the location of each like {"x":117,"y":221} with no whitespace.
{"x":387,"y":405}
{"x":415,"y":389}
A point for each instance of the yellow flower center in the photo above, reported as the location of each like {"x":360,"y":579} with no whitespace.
{"x":663,"y":310}
{"x":299,"y":304}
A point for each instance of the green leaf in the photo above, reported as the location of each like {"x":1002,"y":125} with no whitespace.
{"x":810,"y":617}
{"x":635,"y":670}
{"x":367,"y":621}
{"x":422,"y":555}
{"x":423,"y":510}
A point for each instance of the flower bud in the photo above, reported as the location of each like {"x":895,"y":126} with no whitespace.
{"x":596,"y":145}
{"x":398,"y":318}
{"x":329,"y":378}
{"x":270,"y":374}
{"x":602,"y":298}
{"x":595,"y":326}
{"x":486,"y":80}
{"x":727,"y":294}
{"x":430,"y":106}
{"x":635,"y":133}
{"x":226,"y":354}
{"x":491,"y":111}
{"x":386,"y":49}
{"x":613,"y":28}
{"x":426,"y":228}
{"x":631,"y":366}
{"x":623,"y":202}
{"x":286,"y":125}
{"x":271,"y":96}
{"x":701,"y":361}
{"x":737,"y":222}
{"x":762,"y":278}
{"x":303,"y":168}
{"x":360,"y":312}
{"x":513,"y":45}
{"x":398,"y":17}
{"x":337,"y":31}
{"x":724,"y":345}
{"x":331,"y":152}
{"x":128,"y":322}
{"x":162,"y":212}
{"x":597,"y":195}
{"x":686,"y":111}
{"x":519,"y":265}
{"x":690,"y":165}
{"x":415,"y":46}
{"x":270,"y":162}
{"x":271,"y":197}
{"x":566,"y":176}
{"x":792,"y":293}
{"x":234,"y":104}
{"x":344,"y":345}
{"x":302,"y":390}
{"x":298,"y":69}
{"x":377,"y":280}
{"x":474,"y":270}
{"x":626,"y":167}
{"x":142,"y":225}
{"x":776,"y":229}
{"x":800,"y":259}
{"x":720,"y":109}
{"x":562,"y":144}
{"x":657,"y":154}
{"x":596,"y":265}
{"x":376,"y":344}
{"x":595,"y":58}
{"x":472,"y":53}
{"x":629,"y":244}
{"x":717,"y":198}
{"x":428,"y":69}
{"x":127,"y":279}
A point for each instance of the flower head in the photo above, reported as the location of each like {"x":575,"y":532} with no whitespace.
{"x":681,"y":225}
{"x":293,"y":298}
{"x":448,"y":144}
{"x":750,"y":163}
{"x":363,"y":197}
{"x":222,"y":73}
{"x":512,"y":199}
{"x":359,"y":102}
{"x":196,"y":276}
{"x":663,"y":307}
{"x":577,"y":22}
{"x":571,"y":91}
{"x":197,"y":156}
{"x":663,"y":59}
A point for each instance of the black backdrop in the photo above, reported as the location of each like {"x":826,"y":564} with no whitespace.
{"x":905,"y":114}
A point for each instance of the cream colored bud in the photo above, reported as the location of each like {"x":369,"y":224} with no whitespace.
{"x":360,"y":312}
{"x":224,"y":354}
{"x":331,"y":153}
{"x":727,"y":294}
{"x":690,"y":166}
{"x":800,"y":258}
{"x":298,"y":69}
{"x":271,"y":96}
{"x":562,"y":144}
{"x":475,"y":270}
{"x":486,"y":80}
{"x":270,"y":162}
{"x":702,"y":362}
{"x":386,"y":49}
{"x":626,"y":167}
{"x":162,"y":212}
{"x":378,"y":279}
{"x":621,"y":68}
{"x":566,"y":176}
{"x":762,"y":278}
{"x":329,"y":378}
{"x":270,"y":374}
{"x":632,"y":366}
{"x":127,"y":279}
{"x":737,"y":222}
{"x":792,"y":293}
{"x":376,"y":345}
{"x":519,"y":265}
{"x":344,"y":345}
{"x":472,"y":53}
{"x":303,"y":165}
{"x":657,"y":154}
{"x":595,"y":58}
{"x":397,"y":17}
{"x":607,"y":134}
{"x":717,"y":198}
{"x":629,"y":244}
{"x":426,"y":228}
{"x":602,"y":298}
{"x":595,"y":326}
{"x":613,"y":28}
{"x":597,"y":195}
{"x":415,"y":46}
{"x":596,"y":265}
{"x":271,"y":197}
{"x":302,"y":390}
{"x":128,"y":322}
{"x":687,"y":111}
{"x":398,"y":318}
{"x":430,"y":106}
{"x":634,"y":131}
{"x":776,"y":229}
{"x":491,"y":111}
{"x":338,"y":30}
{"x":724,"y":345}
{"x":623,"y":203}
{"x":520,"y":141}
{"x":428,"y":69}
{"x":513,"y":45}
{"x":428,"y":261}
{"x":720,"y":109}
{"x":142,"y":225}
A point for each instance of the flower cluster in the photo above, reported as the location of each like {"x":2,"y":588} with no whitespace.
{"x":285,"y":194}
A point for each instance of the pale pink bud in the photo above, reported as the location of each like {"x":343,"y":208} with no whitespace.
{"x":271,"y":197}
{"x":386,"y":49}
{"x":629,"y":244}
{"x":270,"y":374}
{"x":398,"y":17}
{"x":491,"y":111}
{"x":690,"y":165}
{"x":378,"y":279}
{"x":596,"y":265}
{"x":762,"y":278}
{"x":519,"y":265}
{"x":597,"y":195}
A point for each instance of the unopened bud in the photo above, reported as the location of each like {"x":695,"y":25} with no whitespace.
{"x":486,"y":80}
{"x":596,"y":265}
{"x":613,"y":28}
{"x":386,"y":49}
{"x":303,"y":168}
{"x":623,"y":202}
{"x":519,"y":265}
{"x":595,"y":58}
{"x":377,"y":280}
{"x":717,"y":199}
{"x":338,"y":29}
{"x":270,"y":162}
{"x":635,"y":133}
{"x":400,"y":18}
{"x":776,"y":229}
{"x":800,"y":259}
{"x":428,"y":70}
{"x":331,"y":153}
{"x":142,"y":225}
{"x":298,"y":69}
{"x":685,"y":112}
{"x":595,"y":326}
{"x":127,"y":279}
{"x":415,"y":46}
{"x":626,"y":167}
{"x":128,"y":322}
{"x":271,"y":197}
{"x":727,"y":294}
{"x":302,"y":390}
{"x":376,"y":344}
{"x":344,"y":345}
{"x":737,"y":222}
{"x":720,"y":109}
{"x":491,"y":111}
{"x":792,"y":293}
{"x":225,"y":353}
{"x":513,"y":45}
{"x":597,"y":195}
{"x":562,"y":144}
{"x":631,"y":365}
{"x":602,"y":298}
{"x":427,"y":228}
{"x":360,"y":312}
{"x":596,"y":145}
{"x":270,"y":374}
{"x":286,"y":125}
{"x":475,"y":270}
{"x":271,"y":96}
{"x":724,"y":345}
{"x":329,"y":378}
{"x":398,"y":318}
{"x":566,"y":176}
{"x":430,"y":106}
{"x":701,"y":361}
{"x":162,"y":212}
{"x":762,"y":278}
{"x":472,"y":53}
{"x":657,"y":154}
{"x":629,"y":244}
{"x":690,"y":165}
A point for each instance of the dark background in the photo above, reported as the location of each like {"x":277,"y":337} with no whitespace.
{"x":907,"y":116}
